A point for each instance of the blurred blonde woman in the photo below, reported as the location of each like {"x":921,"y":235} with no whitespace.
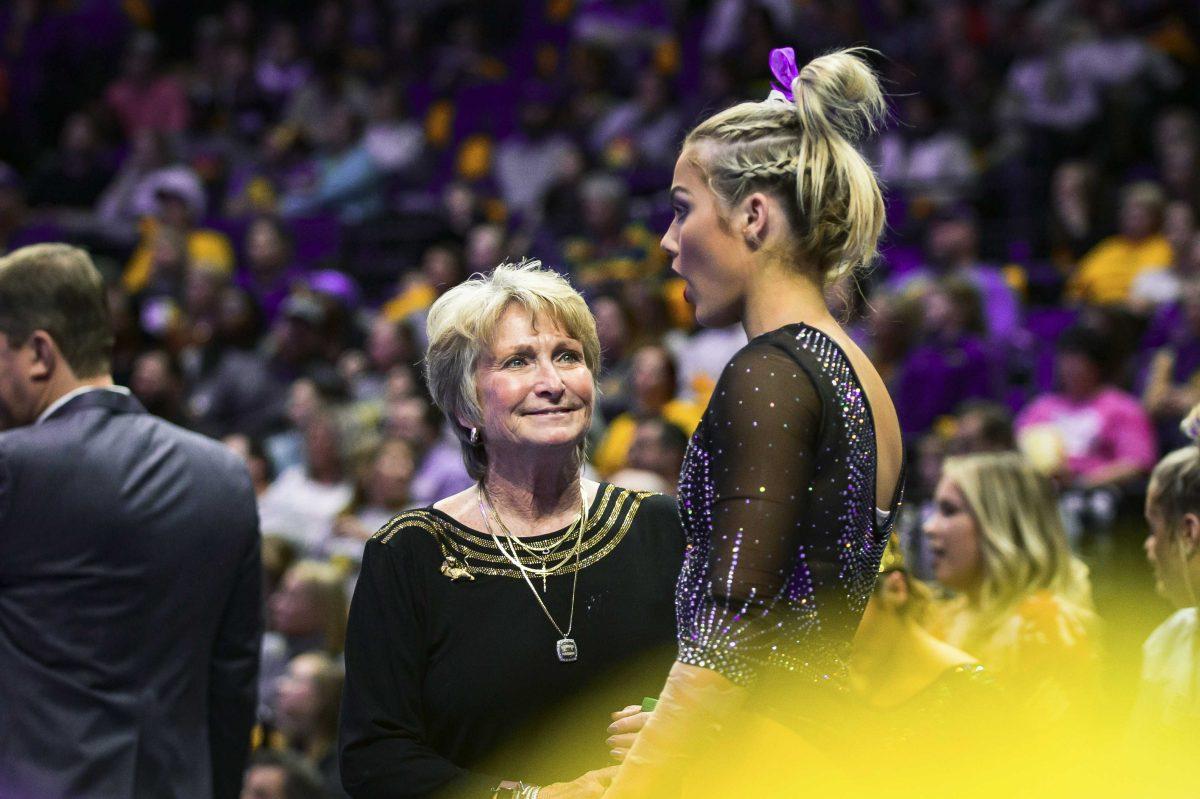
{"x":1168,"y":706}
{"x":1022,"y":602}
{"x":306,"y":613}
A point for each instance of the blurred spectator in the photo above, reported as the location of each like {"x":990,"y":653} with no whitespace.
{"x":917,"y":689}
{"x":486,"y":246}
{"x":226,"y":99}
{"x":269,"y":272}
{"x":441,"y":268}
{"x":157,"y":382}
{"x":349,"y":183}
{"x":1177,"y":152}
{"x":1167,"y":703}
{"x":179,"y":203}
{"x":306,"y":613}
{"x":614,"y":326}
{"x":462,"y":61}
{"x":1088,"y":432}
{"x":390,"y":345}
{"x":561,"y":213}
{"x":246,"y":390}
{"x":331,"y":93}
{"x":655,"y":457}
{"x":306,"y":704}
{"x":530,"y":159}
{"x":281,"y":70}
{"x":12,"y":209}
{"x":281,"y":775}
{"x":392,"y":140}
{"x":142,"y":96}
{"x":1173,"y":379}
{"x":642,"y":133}
{"x":654,"y":387}
{"x":130,"y":194}
{"x":1074,"y":227}
{"x":702,"y":355}
{"x":1023,"y":601}
{"x":74,"y":174}
{"x":951,"y":363}
{"x":166,"y":274}
{"x":278,"y":556}
{"x":891,"y":330}
{"x":953,"y":251}
{"x":1044,"y":92}
{"x":440,"y":470}
{"x":304,"y":500}
{"x":930,"y":162}
{"x":1153,"y":288}
{"x":307,"y":398}
{"x":251,"y":451}
{"x":1107,"y":272}
{"x":611,"y":248}
{"x":382,"y":491}
{"x":983,"y":427}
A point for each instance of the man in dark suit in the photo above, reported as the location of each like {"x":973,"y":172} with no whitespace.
{"x":130,"y":613}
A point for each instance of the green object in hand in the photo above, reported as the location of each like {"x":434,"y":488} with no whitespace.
{"x":648,"y":704}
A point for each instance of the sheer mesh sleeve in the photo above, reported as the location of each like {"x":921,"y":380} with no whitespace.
{"x":756,"y":456}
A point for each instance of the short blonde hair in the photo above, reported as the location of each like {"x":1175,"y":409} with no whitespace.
{"x":1022,"y":542}
{"x":804,"y":153}
{"x":463,"y":322}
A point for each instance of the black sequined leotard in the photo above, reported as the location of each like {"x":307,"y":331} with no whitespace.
{"x":777,"y":496}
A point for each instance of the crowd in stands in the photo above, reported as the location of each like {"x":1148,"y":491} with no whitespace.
{"x":278,"y":192}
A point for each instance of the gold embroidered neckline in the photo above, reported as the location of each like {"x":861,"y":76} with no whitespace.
{"x":467,"y":553}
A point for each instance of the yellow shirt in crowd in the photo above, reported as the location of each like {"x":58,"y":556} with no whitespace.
{"x":614,"y":447}
{"x":207,"y":249}
{"x":1106,"y":273}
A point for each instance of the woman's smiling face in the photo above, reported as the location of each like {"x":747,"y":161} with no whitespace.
{"x":534,"y":388}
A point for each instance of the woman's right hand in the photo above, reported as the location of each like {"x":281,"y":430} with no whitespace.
{"x":627,"y":723}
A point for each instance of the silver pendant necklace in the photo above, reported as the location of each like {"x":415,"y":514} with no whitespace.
{"x":566,"y":648}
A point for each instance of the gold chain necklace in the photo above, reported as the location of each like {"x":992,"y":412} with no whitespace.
{"x":545,"y":570}
{"x":543,"y":551}
{"x":566,"y":648}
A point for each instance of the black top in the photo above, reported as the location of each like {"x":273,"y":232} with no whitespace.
{"x":778,"y":500}
{"x":454,"y":684}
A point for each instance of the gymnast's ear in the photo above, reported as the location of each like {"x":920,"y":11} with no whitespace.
{"x":756,"y":214}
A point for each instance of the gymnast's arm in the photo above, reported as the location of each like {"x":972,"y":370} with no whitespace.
{"x":764,"y":427}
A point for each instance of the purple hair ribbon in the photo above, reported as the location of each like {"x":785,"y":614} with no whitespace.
{"x":783,"y":67}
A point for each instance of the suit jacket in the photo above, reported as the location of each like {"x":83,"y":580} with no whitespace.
{"x":130,"y":607}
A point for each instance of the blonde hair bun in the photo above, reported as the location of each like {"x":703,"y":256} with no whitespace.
{"x":839,"y":95}
{"x":805,"y":153}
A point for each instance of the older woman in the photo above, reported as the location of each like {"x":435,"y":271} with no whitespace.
{"x":475,"y":620}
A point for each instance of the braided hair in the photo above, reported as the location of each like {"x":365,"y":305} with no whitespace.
{"x":804,"y":154}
